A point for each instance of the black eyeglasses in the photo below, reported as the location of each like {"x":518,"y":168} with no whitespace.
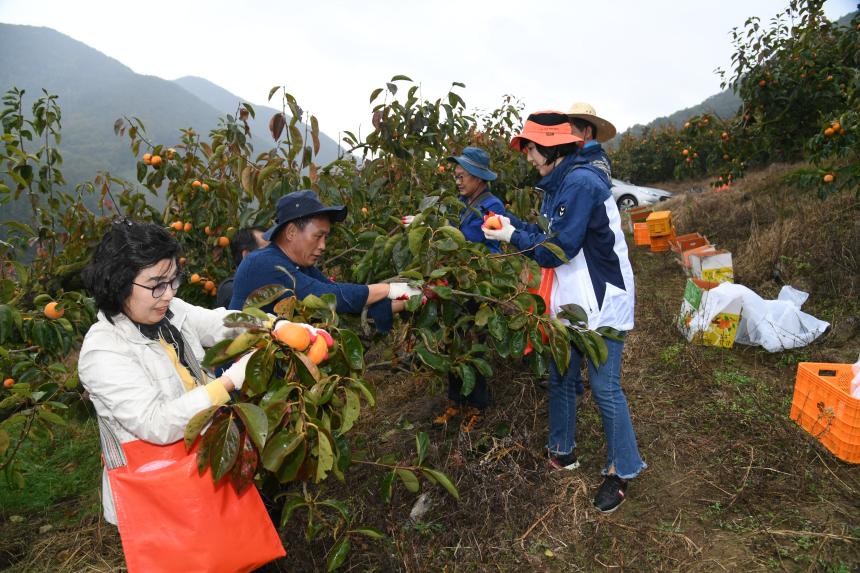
{"x":459,"y":177}
{"x":161,"y":288}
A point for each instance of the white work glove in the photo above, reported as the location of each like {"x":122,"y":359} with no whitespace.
{"x":407,"y":220}
{"x":236,"y":371}
{"x":503,"y":234}
{"x":402,"y":291}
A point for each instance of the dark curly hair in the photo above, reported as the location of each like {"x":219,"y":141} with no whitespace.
{"x":126,"y":249}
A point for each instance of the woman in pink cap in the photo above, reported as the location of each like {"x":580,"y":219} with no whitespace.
{"x":583,"y":220}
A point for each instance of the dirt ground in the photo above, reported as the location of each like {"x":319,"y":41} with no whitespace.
{"x":732,"y":483}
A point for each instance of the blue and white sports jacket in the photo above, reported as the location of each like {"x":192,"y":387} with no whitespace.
{"x":584,"y":221}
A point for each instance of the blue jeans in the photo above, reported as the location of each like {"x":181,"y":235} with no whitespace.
{"x":622,"y":451}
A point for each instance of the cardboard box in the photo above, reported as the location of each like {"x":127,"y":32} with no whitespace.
{"x":713,"y":266}
{"x":708,"y":319}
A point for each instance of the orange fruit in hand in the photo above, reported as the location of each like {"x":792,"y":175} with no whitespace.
{"x":8,"y":383}
{"x":295,"y":336}
{"x":223,"y":241}
{"x":195,"y":278}
{"x":493,"y":223}
{"x":52,"y":312}
{"x":156,"y":160}
{"x":319,"y":350}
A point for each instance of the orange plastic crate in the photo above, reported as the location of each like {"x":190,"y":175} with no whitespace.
{"x":823,"y":406}
{"x":659,"y":223}
{"x":640,"y":234}
{"x":659,"y":244}
{"x":639,"y":214}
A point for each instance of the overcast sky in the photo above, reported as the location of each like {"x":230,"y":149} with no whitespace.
{"x":633,"y":60}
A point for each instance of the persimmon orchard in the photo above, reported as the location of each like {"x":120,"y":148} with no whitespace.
{"x":798,"y":81}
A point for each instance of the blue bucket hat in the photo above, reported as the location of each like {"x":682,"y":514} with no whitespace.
{"x":300,"y":204}
{"x":476,"y":162}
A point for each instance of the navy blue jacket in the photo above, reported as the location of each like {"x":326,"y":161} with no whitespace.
{"x":471,"y":219}
{"x":260,"y":268}
{"x":584,"y":221}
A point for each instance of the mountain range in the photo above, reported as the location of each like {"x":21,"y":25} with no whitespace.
{"x":95,"y":90}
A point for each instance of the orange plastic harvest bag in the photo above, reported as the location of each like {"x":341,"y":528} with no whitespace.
{"x":544,"y":289}
{"x":171,"y":518}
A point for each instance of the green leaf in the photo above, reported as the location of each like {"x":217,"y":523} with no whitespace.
{"x":4,"y":442}
{"x":555,"y":250}
{"x":373,"y":95}
{"x":242,"y":343}
{"x":497,"y":326}
{"x":272,"y":92}
{"x":293,"y":463}
{"x":409,"y":479}
{"x":467,"y":375}
{"x":432,"y":360}
{"x":259,"y":370}
{"x":560,"y":347}
{"x":353,"y":349}
{"x":325,"y":456}
{"x":371,"y":532}
{"x":197,"y":423}
{"x":281,"y":445}
{"x":338,"y":554}
{"x":442,"y":479}
{"x":483,"y":315}
{"x":265,"y":295}
{"x":482,"y":365}
{"x":255,"y":422}
{"x":224,"y":448}
{"x":399,"y":77}
{"x":574,"y":313}
{"x":422,"y":442}
{"x":314,"y":302}
{"x":453,"y":233}
{"x":351,"y":410}
{"x":290,"y":506}
{"x":50,"y":417}
{"x":386,"y":486}
{"x":611,"y":333}
{"x":416,"y":239}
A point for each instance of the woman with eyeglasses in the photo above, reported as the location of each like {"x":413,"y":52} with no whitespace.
{"x":472,"y":176}
{"x":140,"y":361}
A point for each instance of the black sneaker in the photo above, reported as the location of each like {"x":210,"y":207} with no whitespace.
{"x":565,"y":462}
{"x":611,"y":494}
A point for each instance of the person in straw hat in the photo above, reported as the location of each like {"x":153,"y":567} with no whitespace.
{"x":594,"y":273}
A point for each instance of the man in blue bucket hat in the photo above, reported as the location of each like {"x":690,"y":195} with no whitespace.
{"x":298,"y":241}
{"x":472,"y":175}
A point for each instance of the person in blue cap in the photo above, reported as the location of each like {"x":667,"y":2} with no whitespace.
{"x":472,"y":175}
{"x":297,"y":242}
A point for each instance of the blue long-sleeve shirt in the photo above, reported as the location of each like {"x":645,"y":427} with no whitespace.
{"x":261,"y":268}
{"x":471,"y":219}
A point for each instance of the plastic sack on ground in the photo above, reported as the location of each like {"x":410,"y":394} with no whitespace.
{"x":775,"y":325}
